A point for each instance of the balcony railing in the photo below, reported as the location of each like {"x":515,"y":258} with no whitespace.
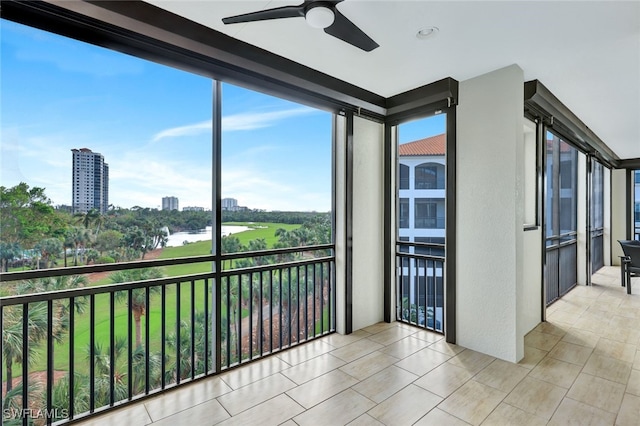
{"x":430,"y":222}
{"x":420,"y":285}
{"x":77,"y":352}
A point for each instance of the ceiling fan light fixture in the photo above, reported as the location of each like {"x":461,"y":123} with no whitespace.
{"x":320,"y":17}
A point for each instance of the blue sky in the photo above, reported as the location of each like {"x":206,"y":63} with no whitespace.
{"x":152,"y":123}
{"x":422,"y":128}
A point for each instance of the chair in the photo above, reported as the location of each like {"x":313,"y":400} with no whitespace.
{"x":630,"y":262}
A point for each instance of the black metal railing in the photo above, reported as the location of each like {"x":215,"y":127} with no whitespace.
{"x":420,"y":285}
{"x":597,"y":249}
{"x":284,"y":306}
{"x":561,"y":265}
{"x":72,"y":353}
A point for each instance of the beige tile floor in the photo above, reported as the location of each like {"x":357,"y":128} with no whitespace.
{"x":582,"y":367}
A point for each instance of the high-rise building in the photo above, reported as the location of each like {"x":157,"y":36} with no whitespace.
{"x":90,"y":181}
{"x":170,"y":203}
{"x":229,"y":204}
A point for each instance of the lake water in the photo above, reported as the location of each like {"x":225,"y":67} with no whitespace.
{"x":179,"y":238}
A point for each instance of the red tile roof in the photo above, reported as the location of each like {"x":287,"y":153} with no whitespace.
{"x":434,"y":145}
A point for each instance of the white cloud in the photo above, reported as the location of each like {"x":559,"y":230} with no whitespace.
{"x":36,"y":160}
{"x":144,"y":183}
{"x":267,"y":190}
{"x":233,"y":123}
{"x":188,"y":130}
{"x":250,"y":121}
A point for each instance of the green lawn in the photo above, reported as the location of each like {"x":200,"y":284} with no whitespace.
{"x":102,"y":315}
{"x":261,"y":230}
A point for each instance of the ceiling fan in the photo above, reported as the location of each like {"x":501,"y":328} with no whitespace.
{"x":318,"y":14}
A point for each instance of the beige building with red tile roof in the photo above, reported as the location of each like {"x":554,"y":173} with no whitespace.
{"x":421,"y":192}
{"x":434,"y":145}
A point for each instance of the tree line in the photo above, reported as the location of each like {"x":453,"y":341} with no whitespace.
{"x":35,"y":234}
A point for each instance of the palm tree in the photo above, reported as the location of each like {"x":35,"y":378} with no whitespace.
{"x":102,"y":362}
{"x":8,"y":251}
{"x":67,"y":243}
{"x":61,"y":394}
{"x":230,"y":244}
{"x":157,"y":235}
{"x":12,"y":336}
{"x":182,"y":363}
{"x":57,"y":284}
{"x":138,"y":303}
{"x":49,"y":249}
{"x":136,"y":239}
{"x":259,"y":245}
{"x":79,"y":237}
{"x":285,"y":295}
{"x":89,"y":219}
{"x":12,"y":400}
{"x":236,"y":285}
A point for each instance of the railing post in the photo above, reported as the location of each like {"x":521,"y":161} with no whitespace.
{"x":25,"y":362}
{"x":50,"y":363}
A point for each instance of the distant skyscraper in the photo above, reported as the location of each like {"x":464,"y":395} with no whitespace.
{"x":170,"y":203}
{"x":90,"y":181}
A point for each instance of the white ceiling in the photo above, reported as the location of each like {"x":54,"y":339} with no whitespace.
{"x":586,"y":52}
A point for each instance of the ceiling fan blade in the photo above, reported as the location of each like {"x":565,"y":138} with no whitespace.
{"x":263,"y":15}
{"x":347,"y":31}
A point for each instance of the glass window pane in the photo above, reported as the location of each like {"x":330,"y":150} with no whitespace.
{"x":551,"y":200}
{"x":404,"y":213}
{"x":597,"y":197}
{"x":404,"y":176}
{"x":430,"y":176}
{"x":561,"y":189}
{"x":119,"y":146}
{"x":276,"y":172}
{"x":422,"y":164}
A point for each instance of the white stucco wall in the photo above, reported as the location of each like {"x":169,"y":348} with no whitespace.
{"x":368,"y":223}
{"x":530,"y":304}
{"x":490,"y":213}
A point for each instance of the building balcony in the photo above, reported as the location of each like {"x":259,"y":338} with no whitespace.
{"x":423,"y":192}
{"x":582,"y":366}
{"x":429,"y":222}
{"x":68,"y":354}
